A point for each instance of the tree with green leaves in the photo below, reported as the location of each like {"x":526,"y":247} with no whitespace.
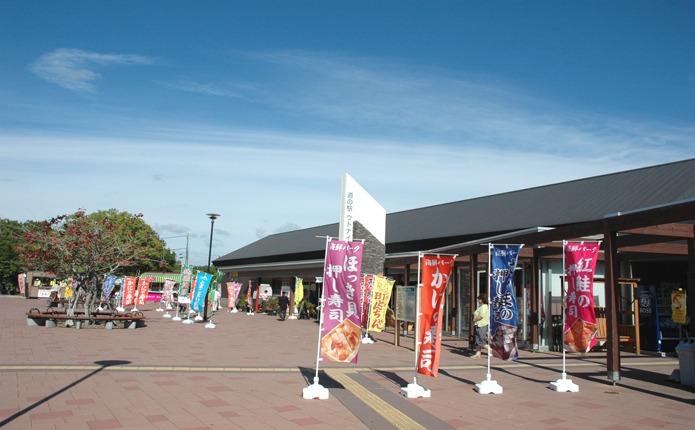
{"x":10,"y":263}
{"x":89,"y":247}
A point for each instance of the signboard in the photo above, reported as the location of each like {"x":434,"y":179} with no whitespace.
{"x":358,"y":205}
{"x":405,"y":303}
{"x":678,"y":309}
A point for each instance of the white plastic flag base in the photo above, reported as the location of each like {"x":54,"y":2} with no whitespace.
{"x":120,"y":309}
{"x":488,"y":387}
{"x":210,"y":325}
{"x":315,"y":391}
{"x":250,"y":313}
{"x":292,"y":317}
{"x":168,"y":307}
{"x":166,"y":315}
{"x":198,"y":318}
{"x":159,"y":310}
{"x":176,"y":318}
{"x":564,"y":385}
{"x":367,"y":340}
{"x":188,"y":321}
{"x":414,"y":391}
{"x":234,"y":311}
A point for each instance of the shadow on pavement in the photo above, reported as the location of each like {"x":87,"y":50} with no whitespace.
{"x":104,"y":364}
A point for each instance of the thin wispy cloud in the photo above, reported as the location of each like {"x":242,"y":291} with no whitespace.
{"x":403,"y":102}
{"x":76,"y":69}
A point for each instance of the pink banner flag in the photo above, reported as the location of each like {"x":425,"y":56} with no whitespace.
{"x":341,"y":318}
{"x":435,"y":274}
{"x":580,"y":316}
{"x":233,"y":290}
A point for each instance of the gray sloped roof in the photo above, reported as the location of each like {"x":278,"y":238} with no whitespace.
{"x":581,"y":200}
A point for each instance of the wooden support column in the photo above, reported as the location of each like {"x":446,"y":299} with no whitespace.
{"x":612,"y":273}
{"x":690,"y":284}
{"x":474,"y":295}
{"x":535,"y":293}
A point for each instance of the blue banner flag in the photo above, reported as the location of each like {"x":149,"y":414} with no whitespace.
{"x":202,"y":283}
{"x":504,"y":317}
{"x":109,"y":283}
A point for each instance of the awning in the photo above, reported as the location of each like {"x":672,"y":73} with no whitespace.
{"x":161,"y":277}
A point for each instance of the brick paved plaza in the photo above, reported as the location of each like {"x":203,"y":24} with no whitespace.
{"x":249,"y":373}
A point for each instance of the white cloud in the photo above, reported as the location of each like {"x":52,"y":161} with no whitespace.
{"x":397,"y":130}
{"x":75,"y":69}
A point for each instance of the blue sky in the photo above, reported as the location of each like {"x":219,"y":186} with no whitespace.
{"x":254,"y":109}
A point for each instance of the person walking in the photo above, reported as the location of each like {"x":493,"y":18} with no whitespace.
{"x":481,"y":319}
{"x":283,"y":302}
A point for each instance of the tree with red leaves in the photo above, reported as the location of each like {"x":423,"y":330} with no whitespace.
{"x":89,"y":247}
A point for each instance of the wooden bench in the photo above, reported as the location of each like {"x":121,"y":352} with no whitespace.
{"x":51,"y":318}
{"x":626,"y":333}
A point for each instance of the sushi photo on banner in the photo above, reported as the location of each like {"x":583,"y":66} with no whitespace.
{"x":580,"y":316}
{"x":504,"y":313}
{"x":202,"y":283}
{"x":434,"y":277}
{"x":341,"y":293}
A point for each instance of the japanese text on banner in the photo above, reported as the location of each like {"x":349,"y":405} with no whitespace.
{"x":436,"y":271}
{"x":341,"y":319}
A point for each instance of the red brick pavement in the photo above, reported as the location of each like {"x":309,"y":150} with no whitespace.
{"x":249,"y":372}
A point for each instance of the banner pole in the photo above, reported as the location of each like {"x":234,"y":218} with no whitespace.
{"x":418,"y":314}
{"x":488,"y":385}
{"x":315,"y":390}
{"x":415,"y":390}
{"x":370,"y":294}
{"x":564,"y":305}
{"x":563,"y":384}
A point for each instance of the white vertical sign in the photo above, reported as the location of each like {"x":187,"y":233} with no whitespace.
{"x":358,"y":205}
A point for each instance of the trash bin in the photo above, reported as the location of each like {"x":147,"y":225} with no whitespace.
{"x":686,"y":361}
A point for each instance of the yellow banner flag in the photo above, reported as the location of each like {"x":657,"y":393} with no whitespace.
{"x":381,"y":295}
{"x":678,"y":309}
{"x":298,"y":292}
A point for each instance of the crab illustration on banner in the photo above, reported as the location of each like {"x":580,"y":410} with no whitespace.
{"x":504,"y":319}
{"x":202,"y":283}
{"x":341,"y":292}
{"x":435,"y":274}
{"x":580,"y":317}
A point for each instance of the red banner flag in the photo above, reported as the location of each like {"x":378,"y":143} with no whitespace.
{"x":143,"y":290}
{"x":366,"y":286}
{"x":580,"y":316}
{"x":129,"y":284}
{"x":435,"y":274}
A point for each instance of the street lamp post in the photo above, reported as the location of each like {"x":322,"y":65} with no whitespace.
{"x":212,"y":217}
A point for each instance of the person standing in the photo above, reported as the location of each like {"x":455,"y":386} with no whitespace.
{"x":481,"y":319}
{"x":283,"y":302}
